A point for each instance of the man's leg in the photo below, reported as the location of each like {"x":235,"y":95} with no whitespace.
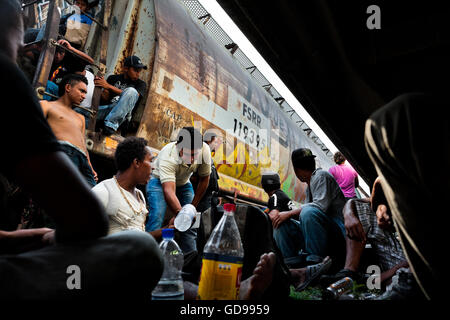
{"x":103,"y":111}
{"x":354,"y":251}
{"x":86,"y":171}
{"x":122,"y":109}
{"x":156,"y":204}
{"x":124,"y":265}
{"x":80,"y":161}
{"x":289,"y":239}
{"x":323,"y":237}
{"x":188,"y":239}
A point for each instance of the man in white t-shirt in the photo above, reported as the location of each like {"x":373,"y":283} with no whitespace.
{"x":90,"y":89}
{"x":124,"y":203}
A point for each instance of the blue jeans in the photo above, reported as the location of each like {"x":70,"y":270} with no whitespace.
{"x":114,"y":114}
{"x":157,"y":209}
{"x":81,"y":162}
{"x":310,"y":239}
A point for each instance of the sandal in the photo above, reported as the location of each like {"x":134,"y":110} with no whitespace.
{"x":313,"y":272}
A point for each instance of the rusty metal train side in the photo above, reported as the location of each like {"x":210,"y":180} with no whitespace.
{"x":193,"y":80}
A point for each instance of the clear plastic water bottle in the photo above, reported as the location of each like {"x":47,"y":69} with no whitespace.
{"x":184,"y":218}
{"x":170,"y":286}
{"x":222,"y":262}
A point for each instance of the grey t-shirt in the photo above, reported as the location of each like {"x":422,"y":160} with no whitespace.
{"x":325,"y":194}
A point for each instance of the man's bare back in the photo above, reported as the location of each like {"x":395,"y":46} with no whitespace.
{"x":67,"y":125}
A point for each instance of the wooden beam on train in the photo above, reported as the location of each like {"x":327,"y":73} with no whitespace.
{"x":102,"y":69}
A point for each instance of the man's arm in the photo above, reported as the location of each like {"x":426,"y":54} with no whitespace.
{"x":45,"y":108}
{"x":61,"y":190}
{"x":204,"y":172}
{"x":352,"y":224}
{"x":170,"y":196}
{"x":203,"y":183}
{"x":87,"y":152}
{"x":66,"y":44}
{"x":377,"y":196}
{"x":13,"y":242}
{"x":283,"y":216}
{"x":157,"y":234}
{"x":391,"y":272}
{"x":101,"y":82}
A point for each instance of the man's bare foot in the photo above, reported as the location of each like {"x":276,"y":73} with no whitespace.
{"x":298,"y":276}
{"x":254,"y":287}
{"x":301,"y":278}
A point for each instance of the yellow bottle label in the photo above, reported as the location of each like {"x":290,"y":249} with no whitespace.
{"x":220,"y":278}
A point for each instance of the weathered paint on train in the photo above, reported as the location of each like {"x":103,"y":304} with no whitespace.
{"x":192,"y":80}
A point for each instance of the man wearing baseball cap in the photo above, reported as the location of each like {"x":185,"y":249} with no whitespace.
{"x":320,"y":225}
{"x":120,"y":94}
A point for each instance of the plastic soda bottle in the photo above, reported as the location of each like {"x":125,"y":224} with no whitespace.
{"x":223,"y":256}
{"x":170,"y":286}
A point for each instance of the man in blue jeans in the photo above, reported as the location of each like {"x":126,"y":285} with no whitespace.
{"x":170,"y":188}
{"x":319,"y":230}
{"x":121,"y":93}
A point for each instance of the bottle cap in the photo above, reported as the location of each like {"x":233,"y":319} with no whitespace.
{"x":167,"y":233}
{"x":229,"y":207}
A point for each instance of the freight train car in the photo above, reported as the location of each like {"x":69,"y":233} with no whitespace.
{"x":193,"y":80}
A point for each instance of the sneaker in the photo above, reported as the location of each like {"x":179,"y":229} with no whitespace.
{"x":107,"y":131}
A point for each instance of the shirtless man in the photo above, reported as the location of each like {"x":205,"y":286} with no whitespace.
{"x":68,"y":125}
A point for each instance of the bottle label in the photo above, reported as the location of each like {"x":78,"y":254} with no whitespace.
{"x":220,"y":278}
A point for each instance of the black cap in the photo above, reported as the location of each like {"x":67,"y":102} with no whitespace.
{"x":270,"y":179}
{"x":134,"y":61}
{"x":300,"y":154}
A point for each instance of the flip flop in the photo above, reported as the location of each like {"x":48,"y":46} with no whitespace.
{"x":314,"y":271}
